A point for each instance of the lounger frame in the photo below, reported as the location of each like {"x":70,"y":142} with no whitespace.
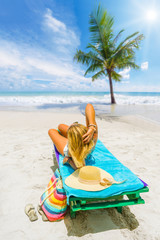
{"x":117,"y":201}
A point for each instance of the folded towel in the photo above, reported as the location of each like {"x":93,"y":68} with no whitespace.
{"x":104,"y":159}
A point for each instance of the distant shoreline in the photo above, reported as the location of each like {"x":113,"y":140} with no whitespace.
{"x":2,"y":93}
{"x":147,"y":112}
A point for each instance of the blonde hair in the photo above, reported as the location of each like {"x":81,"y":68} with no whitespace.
{"x":77,"y":148}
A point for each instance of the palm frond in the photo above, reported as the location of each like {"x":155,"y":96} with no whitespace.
{"x":117,"y":36}
{"x":101,"y":29}
{"x":116,"y":76}
{"x":126,"y":40}
{"x":93,"y":68}
{"x":98,"y":75}
{"x":128,"y":48}
{"x":127,"y":64}
{"x":100,"y":53}
{"x":97,"y":20}
{"x":86,"y":58}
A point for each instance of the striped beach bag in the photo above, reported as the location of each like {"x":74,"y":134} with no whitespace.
{"x":54,"y":201}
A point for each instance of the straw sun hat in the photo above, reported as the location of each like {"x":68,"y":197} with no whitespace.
{"x":90,"y":178}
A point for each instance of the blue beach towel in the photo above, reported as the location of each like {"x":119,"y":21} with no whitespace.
{"x":102,"y":158}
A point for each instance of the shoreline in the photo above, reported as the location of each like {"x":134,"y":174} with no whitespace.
{"x":149,"y":113}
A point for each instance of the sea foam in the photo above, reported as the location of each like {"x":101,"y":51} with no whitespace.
{"x":63,"y":99}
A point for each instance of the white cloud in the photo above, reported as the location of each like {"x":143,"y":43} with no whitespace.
{"x":100,"y":84}
{"x":143,"y":88}
{"x":132,"y":87}
{"x":22,"y":62}
{"x":125,"y":73}
{"x":60,"y":33}
{"x":53,"y":23}
{"x":29,"y":66}
{"x":125,"y":82}
{"x":26,"y":67}
{"x":9,"y":56}
{"x":144,"y":66}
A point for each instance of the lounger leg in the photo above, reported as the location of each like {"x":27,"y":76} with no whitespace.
{"x":119,"y":209}
{"x":72,"y":214}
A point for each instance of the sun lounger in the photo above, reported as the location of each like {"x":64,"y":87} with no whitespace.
{"x":110,"y":197}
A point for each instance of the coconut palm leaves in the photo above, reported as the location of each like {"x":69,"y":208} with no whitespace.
{"x":105,"y":55}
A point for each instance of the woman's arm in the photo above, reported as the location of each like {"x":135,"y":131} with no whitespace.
{"x":63,"y":129}
{"x":91,"y":124}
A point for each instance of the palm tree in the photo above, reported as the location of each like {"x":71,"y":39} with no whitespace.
{"x":106,"y":56}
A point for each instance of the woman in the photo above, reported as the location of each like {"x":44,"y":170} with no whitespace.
{"x":76,"y":141}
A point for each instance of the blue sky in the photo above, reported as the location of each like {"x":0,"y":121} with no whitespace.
{"x":38,"y":39}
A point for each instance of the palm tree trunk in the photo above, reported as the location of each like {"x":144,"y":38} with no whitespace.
{"x":111,"y":88}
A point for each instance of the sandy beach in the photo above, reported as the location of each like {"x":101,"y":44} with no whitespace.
{"x":27,"y":164}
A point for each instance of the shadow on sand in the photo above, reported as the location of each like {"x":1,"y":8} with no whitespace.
{"x":108,"y":118}
{"x":99,"y":108}
{"x":55,"y":164}
{"x":99,"y":220}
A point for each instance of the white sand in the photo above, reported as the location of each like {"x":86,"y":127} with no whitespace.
{"x":26,"y":166}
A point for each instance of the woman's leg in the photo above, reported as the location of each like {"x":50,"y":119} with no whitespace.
{"x":59,"y":141}
{"x":63,"y":129}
